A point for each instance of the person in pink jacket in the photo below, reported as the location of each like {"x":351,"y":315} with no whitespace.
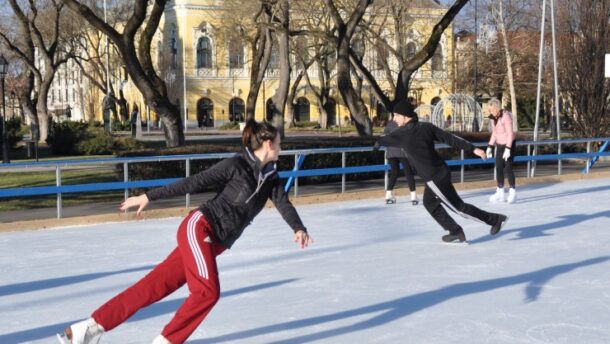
{"x":503,"y":140}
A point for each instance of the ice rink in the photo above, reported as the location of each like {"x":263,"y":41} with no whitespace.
{"x":376,"y":274}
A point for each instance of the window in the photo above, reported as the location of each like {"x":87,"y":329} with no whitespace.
{"x":274,"y":60}
{"x":358,"y":47}
{"x":173,"y":48}
{"x":382,"y":55}
{"x":236,"y":54}
{"x":204,"y":53}
{"x":437,"y":60}
{"x":410,"y":51}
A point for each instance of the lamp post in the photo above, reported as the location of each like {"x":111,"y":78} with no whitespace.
{"x":3,"y":71}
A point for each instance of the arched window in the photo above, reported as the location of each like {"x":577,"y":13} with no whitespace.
{"x":270,"y":109}
{"x":236,"y":54}
{"x":205,"y":110}
{"x":410,"y":51}
{"x":382,"y":113}
{"x":237,"y":110}
{"x":204,"y":53}
{"x":301,"y":110}
{"x":436,"y":64}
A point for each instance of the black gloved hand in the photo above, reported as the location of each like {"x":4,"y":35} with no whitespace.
{"x":376,"y":146}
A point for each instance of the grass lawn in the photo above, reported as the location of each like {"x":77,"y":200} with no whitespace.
{"x":68,"y":177}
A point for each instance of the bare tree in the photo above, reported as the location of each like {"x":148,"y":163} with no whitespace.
{"x":344,"y":31}
{"x":91,"y":53}
{"x":584,"y":40}
{"x":408,"y":63}
{"x":280,"y":19}
{"x":41,"y":46}
{"x":315,"y":46}
{"x":141,"y":25}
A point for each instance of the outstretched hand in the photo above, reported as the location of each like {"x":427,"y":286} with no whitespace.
{"x":376,"y":146}
{"x":480,"y":153}
{"x":136,"y":201}
{"x":302,"y":238}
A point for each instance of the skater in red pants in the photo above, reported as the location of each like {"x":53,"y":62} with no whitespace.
{"x":246,"y":182}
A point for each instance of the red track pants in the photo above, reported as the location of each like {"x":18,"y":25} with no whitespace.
{"x":192,"y":262}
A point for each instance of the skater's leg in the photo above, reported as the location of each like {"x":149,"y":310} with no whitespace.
{"x":444,"y":190}
{"x":408,"y":174}
{"x":199,"y":257}
{"x":394,"y":171}
{"x":433,"y":205}
{"x":164,"y":279}
{"x":508,"y":167}
{"x":500,"y":166}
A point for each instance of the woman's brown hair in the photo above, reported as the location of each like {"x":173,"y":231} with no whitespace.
{"x":256,"y":133}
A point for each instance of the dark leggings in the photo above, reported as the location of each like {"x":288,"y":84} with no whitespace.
{"x":395,"y":170}
{"x":505,"y":167}
{"x":440,"y":191}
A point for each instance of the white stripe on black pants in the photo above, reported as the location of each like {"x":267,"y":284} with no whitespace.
{"x":441,"y":190}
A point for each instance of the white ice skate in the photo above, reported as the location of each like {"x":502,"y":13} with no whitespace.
{"x":414,"y":199}
{"x":82,"y":332}
{"x":389,"y":197}
{"x":160,"y":340}
{"x":512,"y":195}
{"x":498,"y":196}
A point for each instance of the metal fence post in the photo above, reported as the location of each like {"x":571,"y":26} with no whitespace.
{"x":188,"y":173}
{"x":588,"y":158}
{"x":296,"y":179}
{"x":386,"y":175}
{"x":559,"y":162}
{"x":462,"y":168}
{"x":126,"y":179}
{"x":343,"y":174}
{"x":58,"y":183}
{"x":529,"y":162}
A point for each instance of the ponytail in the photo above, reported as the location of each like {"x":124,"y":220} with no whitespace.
{"x":256,"y":133}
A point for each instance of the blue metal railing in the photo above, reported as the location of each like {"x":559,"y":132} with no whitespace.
{"x":292,"y":175}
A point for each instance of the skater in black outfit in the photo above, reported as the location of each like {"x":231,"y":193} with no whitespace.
{"x":397,"y":156}
{"x":417,"y":139}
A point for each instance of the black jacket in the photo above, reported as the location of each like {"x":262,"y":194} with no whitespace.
{"x":417,"y":139}
{"x":393,"y":152}
{"x":245,"y":187}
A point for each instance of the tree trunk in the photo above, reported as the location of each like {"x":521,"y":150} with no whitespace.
{"x":261,"y":52}
{"x":28,"y":106}
{"x":344,"y":33}
{"x":279,"y":99}
{"x":43,"y":119}
{"x":509,"y":65}
{"x":290,"y":100}
{"x":142,"y":23}
{"x":354,"y":102}
{"x":172,"y":125}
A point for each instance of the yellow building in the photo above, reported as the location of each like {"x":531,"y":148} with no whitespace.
{"x":213,"y":75}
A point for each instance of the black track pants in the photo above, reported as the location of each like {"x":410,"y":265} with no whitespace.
{"x":441,"y":191}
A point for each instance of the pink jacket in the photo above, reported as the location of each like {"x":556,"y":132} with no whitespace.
{"x":502,"y":129}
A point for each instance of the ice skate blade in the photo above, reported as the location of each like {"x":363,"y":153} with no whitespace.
{"x":456,"y":243}
{"x":390,"y":202}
